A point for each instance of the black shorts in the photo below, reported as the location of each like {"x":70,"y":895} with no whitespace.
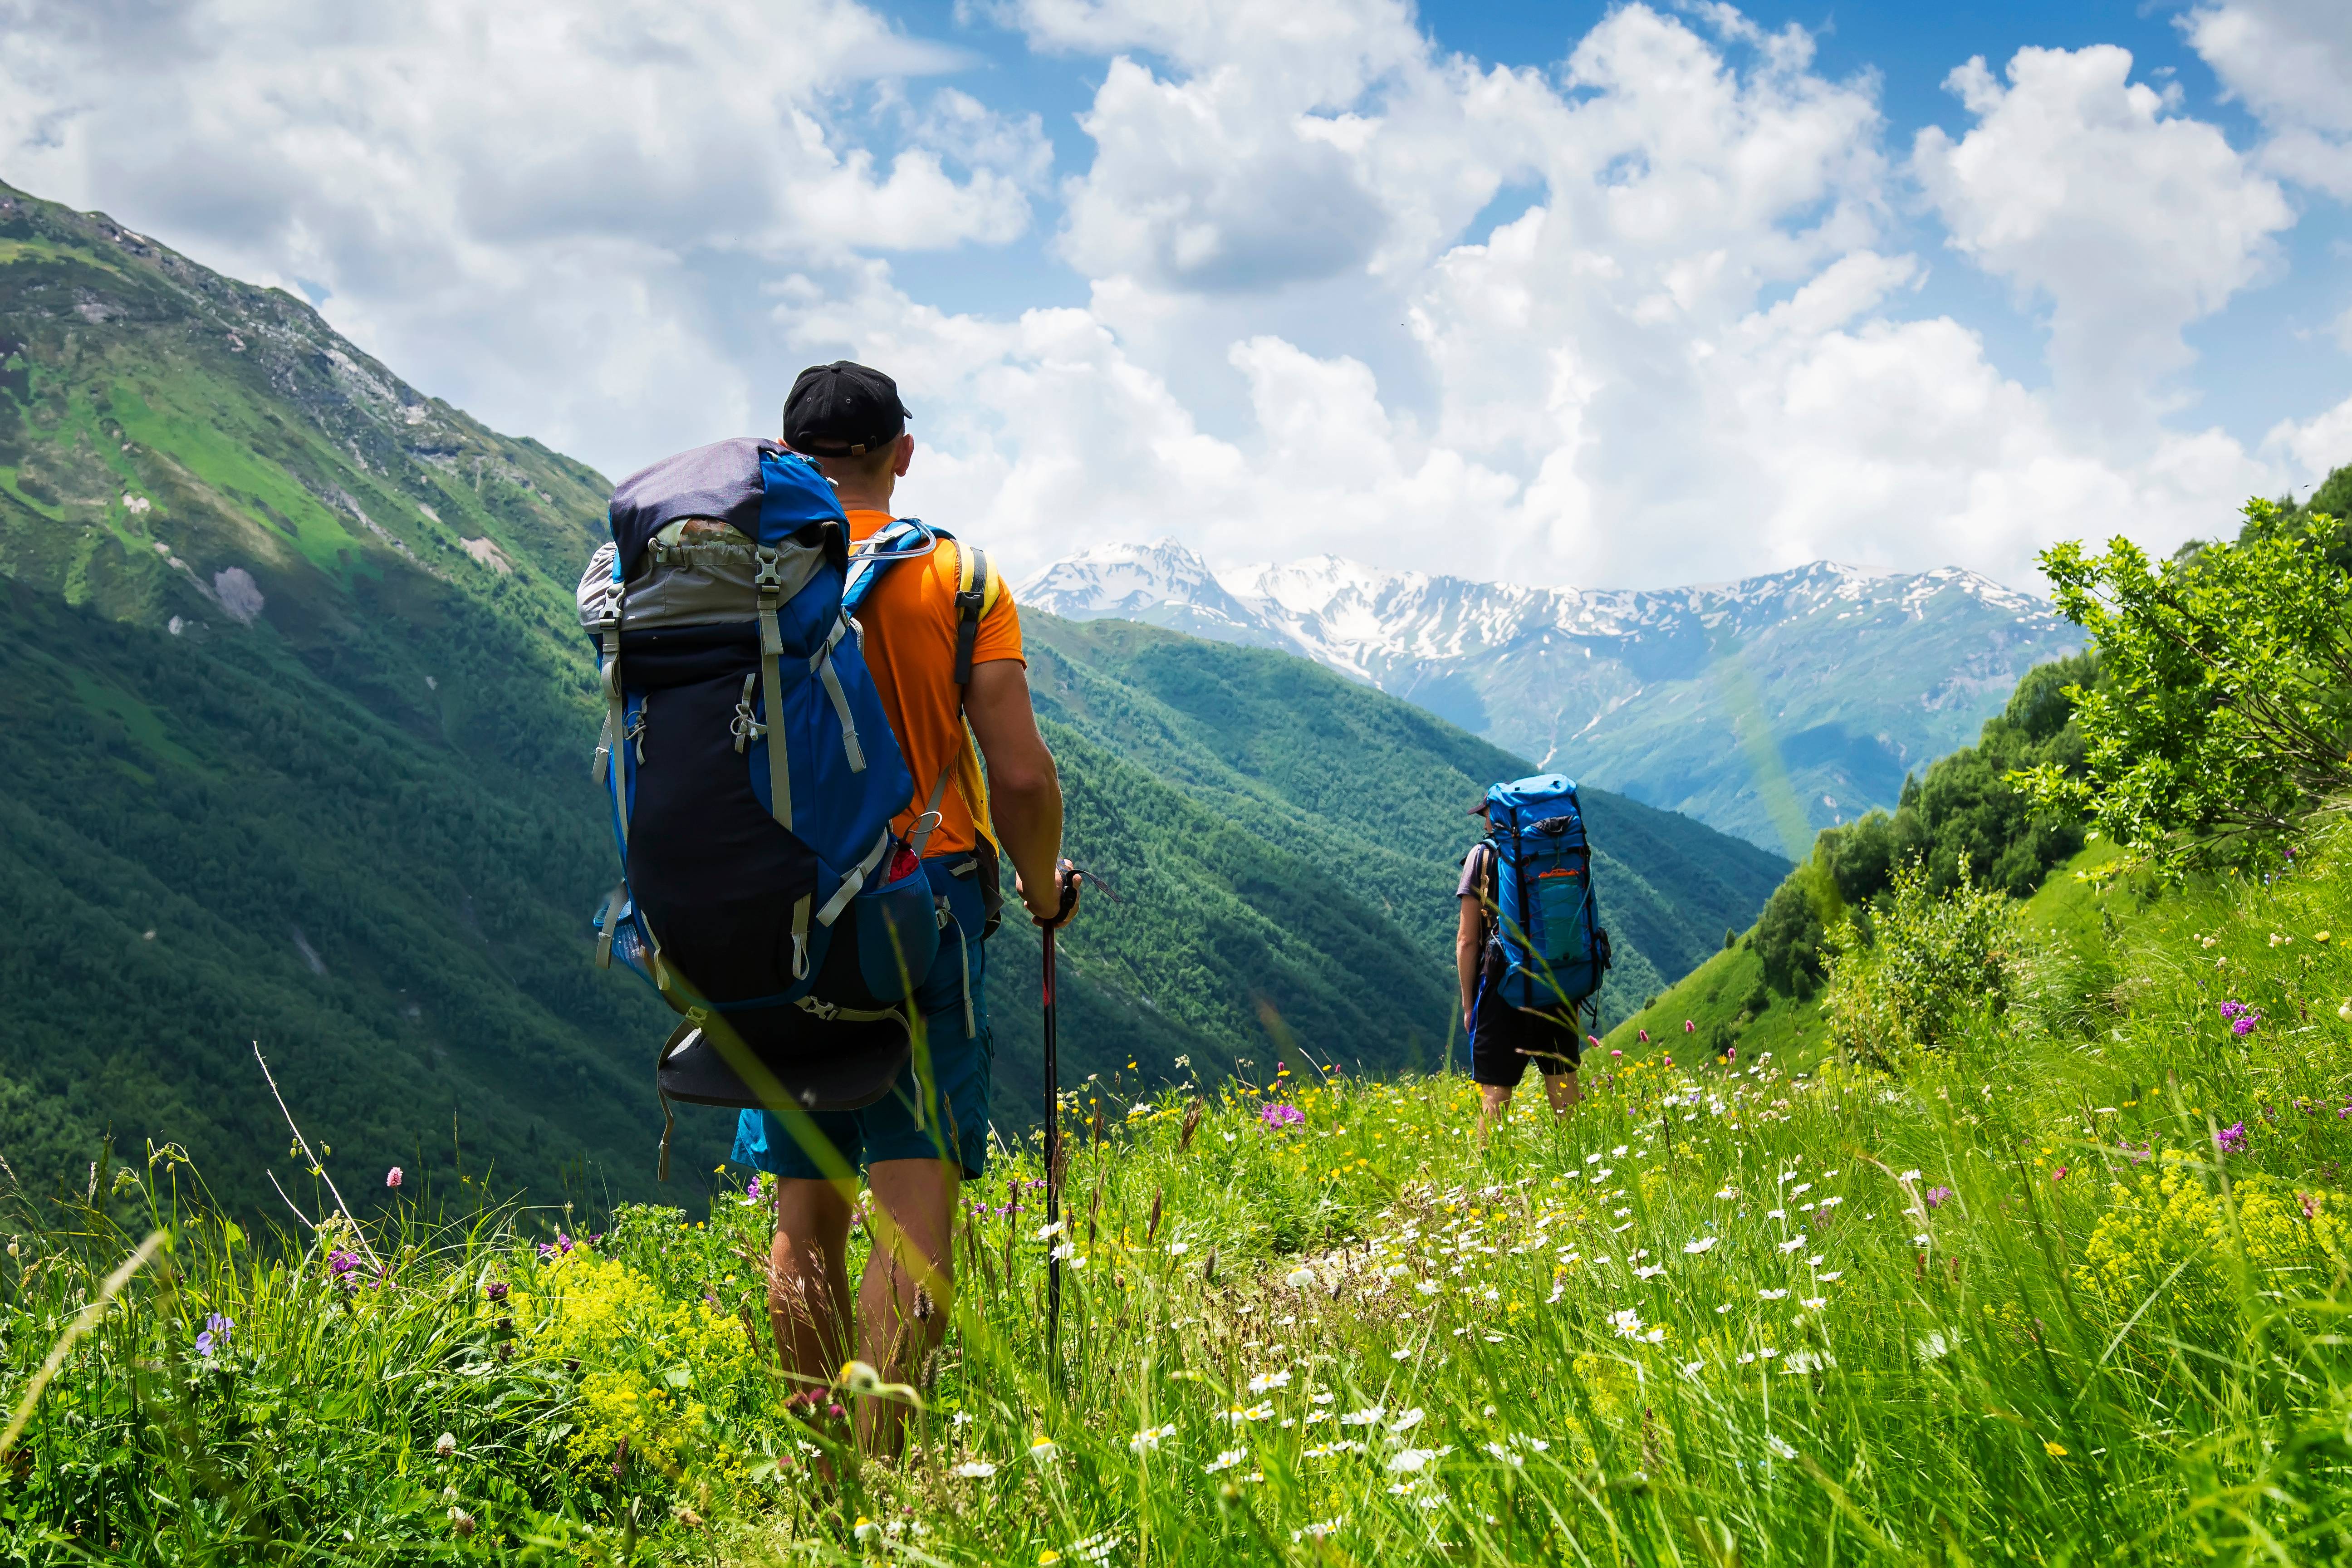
{"x":1503,"y":1039}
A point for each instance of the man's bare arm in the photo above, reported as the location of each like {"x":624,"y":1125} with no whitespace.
{"x":1468,"y":942}
{"x":1025,"y":791}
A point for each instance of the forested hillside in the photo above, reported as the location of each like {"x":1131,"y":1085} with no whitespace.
{"x":1966,"y":823}
{"x":301,"y":720}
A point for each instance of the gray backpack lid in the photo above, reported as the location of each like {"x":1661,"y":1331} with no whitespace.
{"x":720,"y":480}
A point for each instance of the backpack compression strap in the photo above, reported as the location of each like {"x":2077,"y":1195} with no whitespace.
{"x":769,"y":583}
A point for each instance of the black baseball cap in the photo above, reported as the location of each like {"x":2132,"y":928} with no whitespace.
{"x":843,"y":410}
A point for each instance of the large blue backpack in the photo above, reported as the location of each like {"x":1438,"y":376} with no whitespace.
{"x":1547,"y":919}
{"x":751,"y":777}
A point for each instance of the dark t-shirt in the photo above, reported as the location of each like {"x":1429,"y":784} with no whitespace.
{"x":1477,"y":867}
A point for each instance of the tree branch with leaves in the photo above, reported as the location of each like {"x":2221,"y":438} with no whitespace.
{"x":2225,"y":720}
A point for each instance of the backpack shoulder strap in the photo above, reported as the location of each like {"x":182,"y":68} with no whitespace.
{"x":1490,"y":892}
{"x":906,"y":539}
{"x":977,"y":591}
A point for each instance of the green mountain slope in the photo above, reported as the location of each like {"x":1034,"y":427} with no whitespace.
{"x":296,"y":688}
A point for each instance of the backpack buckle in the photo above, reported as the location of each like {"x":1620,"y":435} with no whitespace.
{"x":769,"y":578}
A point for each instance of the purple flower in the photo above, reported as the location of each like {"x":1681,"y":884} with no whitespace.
{"x":752,"y":1192}
{"x":340,"y":1262}
{"x":558,"y":1247}
{"x":2138,"y":1155}
{"x":204,"y":1344}
{"x":1279,"y":1116}
{"x":2232,"y":1009}
{"x":2232,"y":1140}
{"x":496,"y":1290}
{"x":2244,"y":1025}
{"x":1938,"y":1198}
{"x":215,"y":1334}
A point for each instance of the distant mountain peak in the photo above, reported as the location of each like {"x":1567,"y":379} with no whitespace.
{"x":1863,"y":672}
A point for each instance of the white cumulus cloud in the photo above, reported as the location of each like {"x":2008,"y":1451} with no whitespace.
{"x":555,"y":213}
{"x":2085,"y":189}
{"x":2290,"y":62}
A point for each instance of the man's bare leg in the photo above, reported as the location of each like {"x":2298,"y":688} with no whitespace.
{"x":1494,"y":1105}
{"x":808,"y":1281}
{"x":902,"y":1302}
{"x":1564,"y":1092}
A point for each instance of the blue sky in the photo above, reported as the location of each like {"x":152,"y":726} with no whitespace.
{"x":2261,"y":351}
{"x":1608,"y":295}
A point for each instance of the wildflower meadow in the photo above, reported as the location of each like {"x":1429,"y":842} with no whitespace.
{"x":2067,"y":1286}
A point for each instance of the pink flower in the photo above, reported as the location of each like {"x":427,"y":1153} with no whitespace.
{"x":1689,"y":1027}
{"x":1937,"y":1197}
{"x":1644,"y":1035}
{"x":1279,"y":1116}
{"x":391,"y":1177}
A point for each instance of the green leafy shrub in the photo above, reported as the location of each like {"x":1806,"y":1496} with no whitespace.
{"x":2224,"y":717}
{"x":1789,"y":941}
{"x":1934,"y":966}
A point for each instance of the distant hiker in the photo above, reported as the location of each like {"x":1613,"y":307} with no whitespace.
{"x":942,"y":639}
{"x":1527,"y":951}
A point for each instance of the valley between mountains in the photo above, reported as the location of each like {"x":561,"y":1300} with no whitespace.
{"x":1769,"y":708}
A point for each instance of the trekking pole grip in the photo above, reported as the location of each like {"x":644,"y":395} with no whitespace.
{"x":1068,"y":879}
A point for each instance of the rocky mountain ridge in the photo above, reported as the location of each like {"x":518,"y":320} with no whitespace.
{"x":1768,"y":707}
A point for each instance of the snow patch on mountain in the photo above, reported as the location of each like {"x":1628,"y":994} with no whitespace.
{"x":1860,"y":673}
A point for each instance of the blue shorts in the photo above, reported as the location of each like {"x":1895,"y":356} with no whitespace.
{"x":950,"y":1121}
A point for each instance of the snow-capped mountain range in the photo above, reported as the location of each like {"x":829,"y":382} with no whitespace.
{"x":1770,"y":706}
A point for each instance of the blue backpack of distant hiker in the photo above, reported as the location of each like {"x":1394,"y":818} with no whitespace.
{"x":751,"y":777}
{"x":1547,"y":919}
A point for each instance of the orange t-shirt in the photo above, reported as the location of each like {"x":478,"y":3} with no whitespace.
{"x":909,"y":622}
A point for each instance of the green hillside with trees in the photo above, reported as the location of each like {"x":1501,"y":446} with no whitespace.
{"x":1967,"y":821}
{"x":301,"y":718}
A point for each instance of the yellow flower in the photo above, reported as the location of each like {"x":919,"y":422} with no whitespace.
{"x":1049,"y":1555}
{"x":2056,"y":1450}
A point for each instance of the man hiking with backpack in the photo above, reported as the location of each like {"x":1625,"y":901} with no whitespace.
{"x":1529,"y":949}
{"x":942,"y":639}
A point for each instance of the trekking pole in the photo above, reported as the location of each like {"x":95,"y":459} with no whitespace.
{"x":1066,"y":876}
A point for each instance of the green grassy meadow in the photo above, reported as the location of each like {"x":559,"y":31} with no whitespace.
{"x":2071,"y":1290}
